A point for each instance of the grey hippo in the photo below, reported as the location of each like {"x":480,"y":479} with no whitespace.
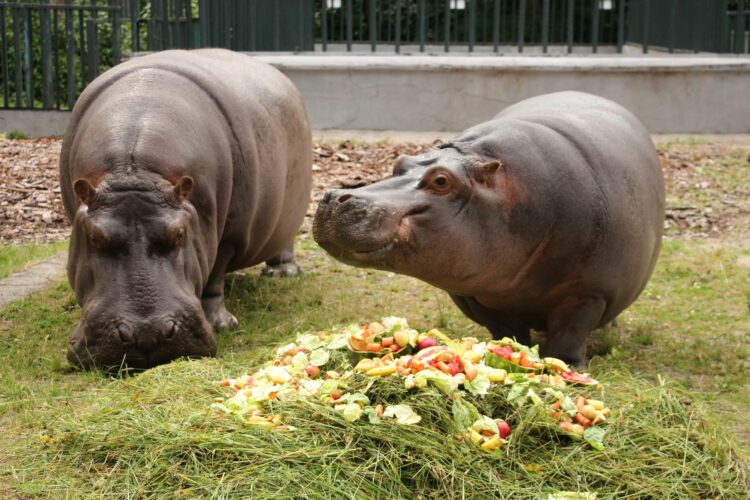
{"x":175,"y":169}
{"x":547,"y":217}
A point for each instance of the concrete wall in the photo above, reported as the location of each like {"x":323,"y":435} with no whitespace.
{"x":677,"y":94}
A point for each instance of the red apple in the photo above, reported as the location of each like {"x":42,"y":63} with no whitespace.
{"x":503,"y":428}
{"x":312,"y":370}
{"x":426,"y":342}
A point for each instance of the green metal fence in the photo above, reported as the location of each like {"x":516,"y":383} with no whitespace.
{"x":50,"y":51}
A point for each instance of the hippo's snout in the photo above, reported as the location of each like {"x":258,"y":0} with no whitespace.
{"x":140,"y":342}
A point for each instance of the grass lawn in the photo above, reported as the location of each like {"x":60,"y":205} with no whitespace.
{"x":675,"y":368}
{"x":690,"y":325}
{"x":17,"y":257}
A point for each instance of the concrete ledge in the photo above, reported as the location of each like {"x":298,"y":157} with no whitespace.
{"x":34,"y":122}
{"x":670,"y":94}
{"x":679,"y":94}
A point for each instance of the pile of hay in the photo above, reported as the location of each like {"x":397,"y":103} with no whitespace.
{"x":155,"y":434}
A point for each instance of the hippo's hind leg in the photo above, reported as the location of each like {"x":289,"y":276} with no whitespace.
{"x":212,"y":298}
{"x":498,"y":323}
{"x":282,"y":264}
{"x":568,"y":327}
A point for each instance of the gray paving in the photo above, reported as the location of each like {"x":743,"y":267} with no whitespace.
{"x":33,"y":279}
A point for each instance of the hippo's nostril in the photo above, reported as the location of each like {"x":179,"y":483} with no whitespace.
{"x":126,"y":334}
{"x":170,"y":329}
{"x":344,"y":198}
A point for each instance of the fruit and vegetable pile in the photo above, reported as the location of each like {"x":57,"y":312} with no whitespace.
{"x":343,"y":369}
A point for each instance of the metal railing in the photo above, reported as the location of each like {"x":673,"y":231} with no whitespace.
{"x":50,"y":51}
{"x":471,"y":25}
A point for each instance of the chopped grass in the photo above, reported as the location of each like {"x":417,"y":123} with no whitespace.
{"x":17,"y":257}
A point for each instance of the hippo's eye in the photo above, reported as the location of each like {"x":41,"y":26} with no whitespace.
{"x":440,"y":183}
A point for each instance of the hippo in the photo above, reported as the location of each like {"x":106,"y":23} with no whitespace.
{"x":548,"y":217}
{"x":175,"y":169}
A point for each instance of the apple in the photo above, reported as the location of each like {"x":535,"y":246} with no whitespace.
{"x":470,"y":370}
{"x":426,"y":342}
{"x":312,"y":370}
{"x":503,"y":428}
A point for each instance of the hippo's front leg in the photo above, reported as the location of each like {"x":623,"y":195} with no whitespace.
{"x":283,"y":264}
{"x":569,"y":326}
{"x":212,"y":298}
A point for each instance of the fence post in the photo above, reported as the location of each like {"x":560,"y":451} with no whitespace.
{"x":4,"y":48}
{"x":646,"y":16}
{"x":739,"y":28}
{"x":372,"y":24}
{"x":495,"y":26}
{"x":447,"y":25}
{"x":92,"y":52}
{"x":620,"y":25}
{"x":116,"y":37}
{"x":521,"y":24}
{"x":595,"y":27}
{"x":545,"y":26}
{"x":46,"y":51}
{"x":571,"y":18}
{"x":422,"y":22}
{"x":398,"y":26}
{"x":134,"y":15}
{"x":472,"y":24}
{"x":70,"y":44}
{"x":28,"y":63}
{"x":672,"y":24}
{"x":349,"y":25}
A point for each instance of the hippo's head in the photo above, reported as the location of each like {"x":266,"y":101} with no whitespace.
{"x":436,"y":219}
{"x":137,"y":266}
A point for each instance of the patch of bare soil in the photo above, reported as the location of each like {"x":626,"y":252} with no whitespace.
{"x":708,"y":185}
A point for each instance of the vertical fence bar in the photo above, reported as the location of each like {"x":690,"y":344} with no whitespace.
{"x":620,"y":25}
{"x":92,"y":51}
{"x":495,"y":26}
{"x":70,"y":45}
{"x":253,"y":25}
{"x":116,"y":35}
{"x":422,"y":19}
{"x":646,"y":19}
{"x":28,"y":66}
{"x":324,"y":25}
{"x":447,"y":25}
{"x":135,"y":7}
{"x":372,"y":26}
{"x":739,"y":28}
{"x":545,"y":26}
{"x":398,"y":26}
{"x":571,"y":18}
{"x":472,"y":24}
{"x":203,"y":22}
{"x":4,"y":49}
{"x":18,"y":65}
{"x":521,"y":24}
{"x":595,"y":26}
{"x":46,"y":53}
{"x":173,"y":19}
{"x":82,"y":57}
{"x":672,"y":24}
{"x":56,"y":59}
{"x":349,"y":25}
{"x":694,"y":26}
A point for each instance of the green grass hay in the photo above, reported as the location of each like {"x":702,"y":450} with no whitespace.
{"x":154,"y":435}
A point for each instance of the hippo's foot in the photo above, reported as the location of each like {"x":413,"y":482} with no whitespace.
{"x":283,"y":264}
{"x":218,"y":316}
{"x":282,"y":269}
{"x":569,"y":327}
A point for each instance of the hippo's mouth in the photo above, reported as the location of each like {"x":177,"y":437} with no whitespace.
{"x":371,"y":256}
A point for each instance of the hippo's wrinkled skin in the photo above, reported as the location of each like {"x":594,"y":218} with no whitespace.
{"x":176,"y":168}
{"x":547,"y":217}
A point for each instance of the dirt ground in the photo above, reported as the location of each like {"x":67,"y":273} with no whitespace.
{"x":708,"y":185}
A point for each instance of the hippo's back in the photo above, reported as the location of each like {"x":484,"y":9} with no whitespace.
{"x":591,"y":170}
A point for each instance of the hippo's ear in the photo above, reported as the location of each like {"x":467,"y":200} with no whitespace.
{"x":84,"y":190}
{"x":183,"y":188}
{"x":485,"y":173}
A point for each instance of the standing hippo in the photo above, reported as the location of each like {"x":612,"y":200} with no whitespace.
{"x":176,"y":168}
{"x":548,"y":217}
